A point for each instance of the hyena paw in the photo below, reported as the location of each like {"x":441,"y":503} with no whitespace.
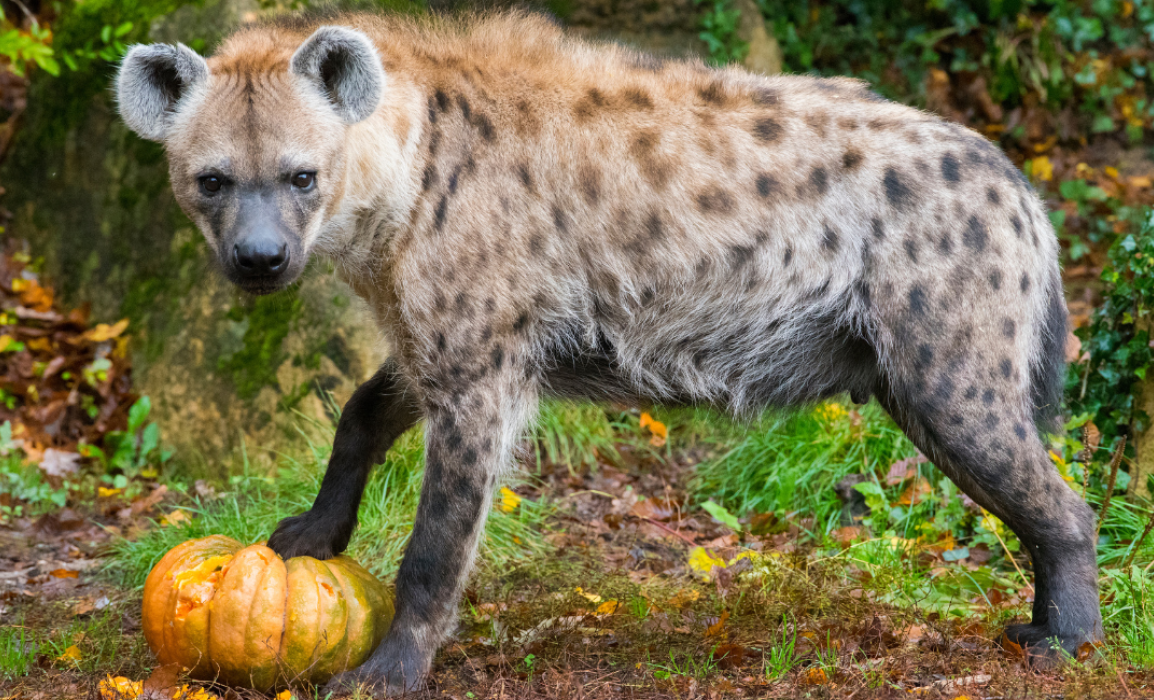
{"x":392,"y":670}
{"x":307,"y":535}
{"x":1043,"y":649}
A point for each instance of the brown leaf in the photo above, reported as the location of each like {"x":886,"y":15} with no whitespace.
{"x":915,"y":492}
{"x":161,"y":685}
{"x":718,"y":627}
{"x":845,"y":536}
{"x":654,"y":509}
{"x":1011,"y":647}
{"x":728,"y":656}
{"x":64,"y":573}
{"x":814,"y":676}
{"x":904,"y":469}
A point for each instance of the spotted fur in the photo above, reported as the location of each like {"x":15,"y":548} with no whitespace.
{"x":529,"y":215}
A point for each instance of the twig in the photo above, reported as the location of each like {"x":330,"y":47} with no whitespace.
{"x":671,"y":531}
{"x":1013,"y":561}
{"x":1115,"y":462}
{"x":1138,"y":542}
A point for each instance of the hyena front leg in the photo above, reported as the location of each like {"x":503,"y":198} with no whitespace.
{"x":469,"y":437}
{"x":376,"y":415}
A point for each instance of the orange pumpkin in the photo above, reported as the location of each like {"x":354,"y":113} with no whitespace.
{"x":242,"y":616}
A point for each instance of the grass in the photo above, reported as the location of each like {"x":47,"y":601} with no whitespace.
{"x":253,"y":506}
{"x":15,"y":650}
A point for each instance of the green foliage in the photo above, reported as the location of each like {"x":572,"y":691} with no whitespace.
{"x":719,"y":32}
{"x":130,"y":453}
{"x":22,"y":48}
{"x":1118,"y":338}
{"x":29,"y":492}
{"x":1053,"y":51}
{"x":1130,"y":610}
{"x":574,"y":434}
{"x":15,"y":651}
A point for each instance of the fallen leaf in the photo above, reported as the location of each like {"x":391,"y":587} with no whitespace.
{"x":1042,"y":168}
{"x":162,"y":682}
{"x":285,"y":695}
{"x":728,"y":656}
{"x":591,"y":597}
{"x":60,"y":463}
{"x":684,"y":597}
{"x":704,"y":562}
{"x":718,"y":627}
{"x":814,"y":676}
{"x":119,"y":688}
{"x":607,"y":608}
{"x":915,"y":492}
{"x":1011,"y":647}
{"x":509,"y":500}
{"x":103,"y":332}
{"x":72,"y":653}
{"x":845,"y":536}
{"x":656,"y":428}
{"x":64,"y":573}
{"x":176,"y":518}
{"x":904,"y":469}
{"x":107,"y":493}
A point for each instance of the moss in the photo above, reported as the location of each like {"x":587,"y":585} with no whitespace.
{"x":269,"y":320}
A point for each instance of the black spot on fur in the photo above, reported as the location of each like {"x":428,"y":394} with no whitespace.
{"x":429,"y":177}
{"x":466,"y":109}
{"x":878,"y":228}
{"x":766,"y":130}
{"x":537,"y":244}
{"x":1009,"y":328}
{"x":971,"y":393}
{"x":816,"y":185}
{"x":898,"y":192}
{"x":498,"y":357}
{"x":925,"y":357}
{"x":559,"y":219}
{"x":975,"y":236}
{"x":851,"y":159}
{"x":638,"y":98}
{"x":713,"y":94}
{"x":526,"y":177}
{"x":1007,"y":368}
{"x":988,"y":397}
{"x":439,"y":213}
{"x":715,"y":201}
{"x":918,"y":302}
{"x":590,"y":180}
{"x":993,"y":197}
{"x":911,"y":247}
{"x":951,"y":169}
{"x":946,"y":245}
{"x":1025,"y":283}
{"x":1016,"y":222}
{"x":787,"y":258}
{"x":521,"y":322}
{"x":830,"y":241}
{"x":440,"y":342}
{"x":995,"y":278}
{"x":442,"y":100}
{"x":767,"y":185}
{"x":1020,"y":431}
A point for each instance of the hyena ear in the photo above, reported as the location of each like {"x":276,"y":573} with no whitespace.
{"x":343,"y":64}
{"x":152,"y":79}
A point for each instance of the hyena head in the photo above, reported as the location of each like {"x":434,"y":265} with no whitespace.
{"x":255,"y":139}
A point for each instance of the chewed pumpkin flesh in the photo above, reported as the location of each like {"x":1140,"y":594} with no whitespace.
{"x":245,"y":617}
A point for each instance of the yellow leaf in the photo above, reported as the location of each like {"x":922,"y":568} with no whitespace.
{"x":1140,"y":181}
{"x":1111,"y":172}
{"x":176,"y":518}
{"x":591,"y":597}
{"x":285,"y":695}
{"x":684,"y":597}
{"x":656,"y":428}
{"x":607,"y":608}
{"x":186,"y":693}
{"x":5,"y":341}
{"x":106,"y":493}
{"x":120,"y":688}
{"x":509,"y":500}
{"x":103,"y":331}
{"x":704,"y":562}
{"x":72,"y":653}
{"x":1042,"y":168}
{"x":814,"y":676}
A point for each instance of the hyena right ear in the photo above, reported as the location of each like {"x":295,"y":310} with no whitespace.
{"x":152,"y":79}
{"x":343,"y":64}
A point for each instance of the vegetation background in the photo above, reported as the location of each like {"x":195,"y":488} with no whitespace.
{"x":144,"y":402}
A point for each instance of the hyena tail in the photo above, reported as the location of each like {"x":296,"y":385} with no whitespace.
{"x":1048,"y":370}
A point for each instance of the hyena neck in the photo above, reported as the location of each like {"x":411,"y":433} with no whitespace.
{"x":379,"y":189}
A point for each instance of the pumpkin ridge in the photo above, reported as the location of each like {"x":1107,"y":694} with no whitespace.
{"x":252,"y":605}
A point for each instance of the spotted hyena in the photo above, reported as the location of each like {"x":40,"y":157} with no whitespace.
{"x":530,"y":215}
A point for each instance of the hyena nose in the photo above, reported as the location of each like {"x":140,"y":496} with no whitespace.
{"x":261,"y":256}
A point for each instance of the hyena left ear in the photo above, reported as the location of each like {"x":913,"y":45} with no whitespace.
{"x":344,"y":65}
{"x":152,"y":80}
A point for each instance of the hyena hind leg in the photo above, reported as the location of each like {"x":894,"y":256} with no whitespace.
{"x":996,"y":456}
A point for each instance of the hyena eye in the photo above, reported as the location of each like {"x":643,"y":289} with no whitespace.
{"x":210,"y":184}
{"x":304,"y":180}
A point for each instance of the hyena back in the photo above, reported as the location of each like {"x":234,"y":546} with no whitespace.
{"x":529,"y":215}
